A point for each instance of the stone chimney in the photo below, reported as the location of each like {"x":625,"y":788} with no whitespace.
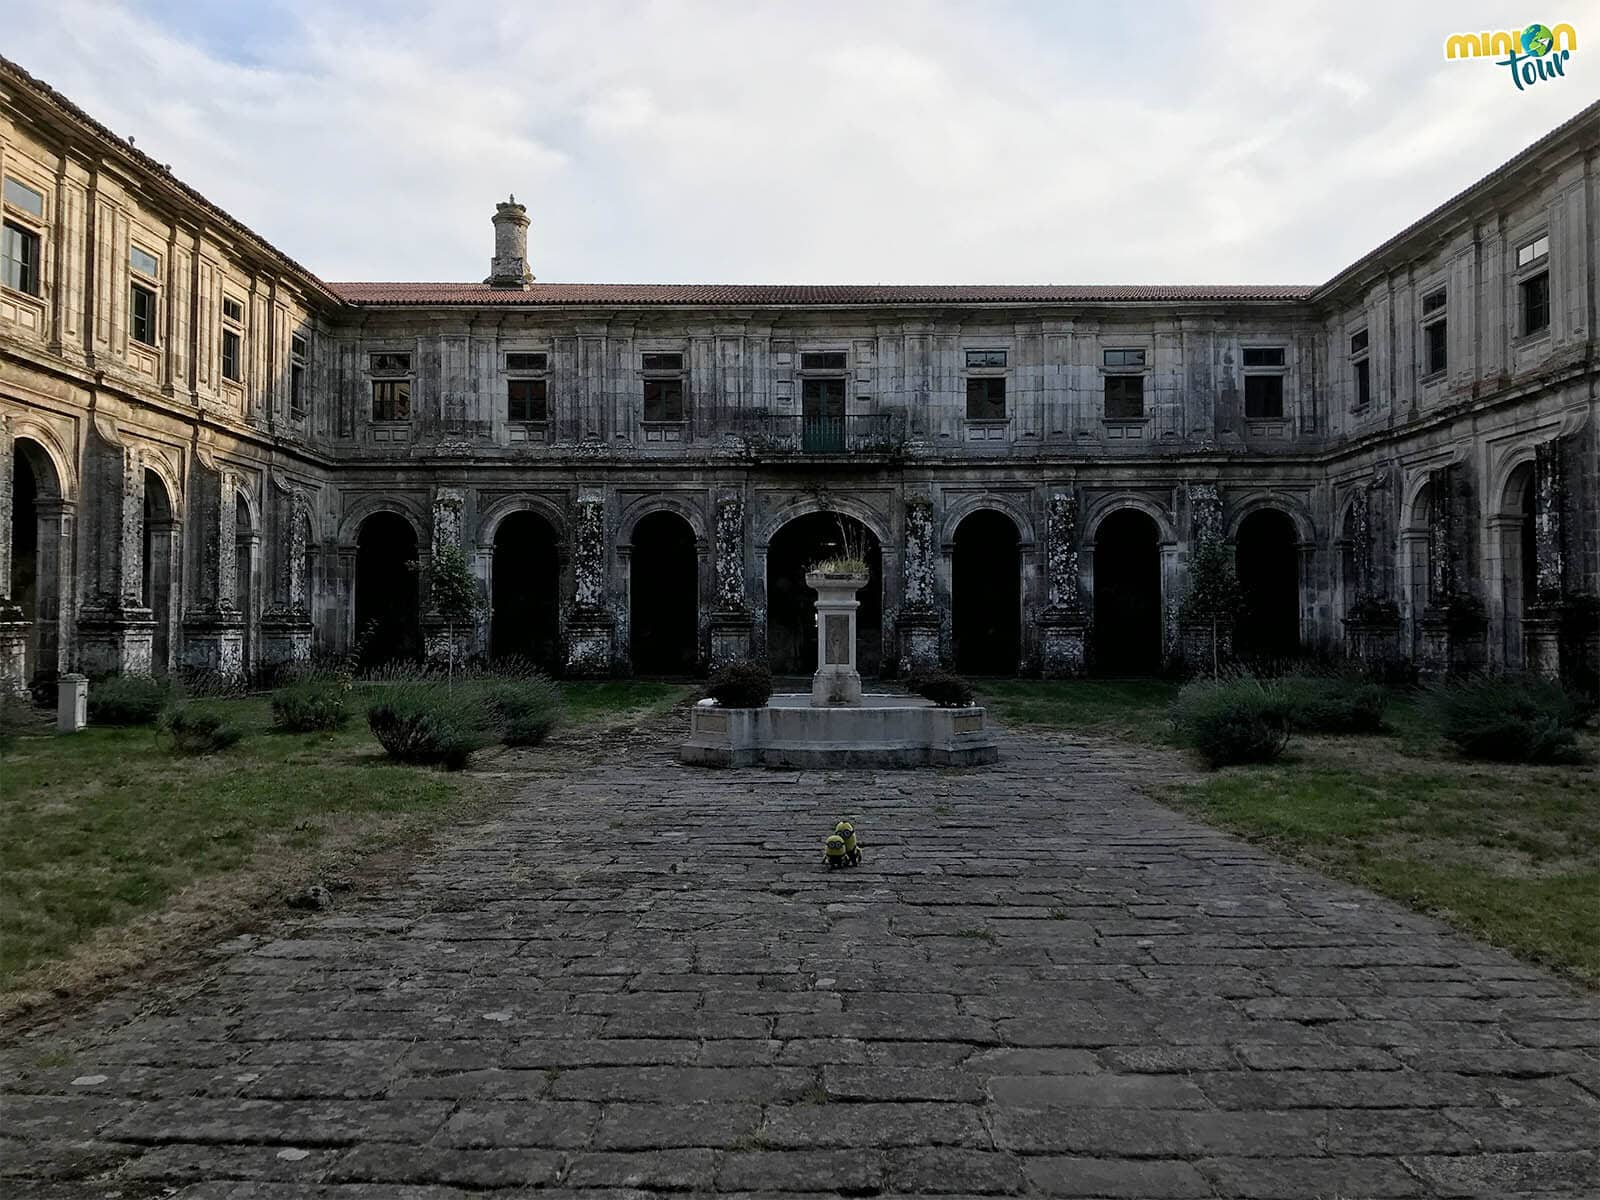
{"x":509,"y":266}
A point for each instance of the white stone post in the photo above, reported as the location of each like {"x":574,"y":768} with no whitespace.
{"x":837,"y":681}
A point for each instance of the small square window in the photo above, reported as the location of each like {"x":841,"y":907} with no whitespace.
{"x":1263,"y":397}
{"x":230,"y":356}
{"x":19,"y":259}
{"x":526,"y":362}
{"x":232,"y":310}
{"x":986,"y":358}
{"x":828,"y":361}
{"x":663,"y":399}
{"x":1363,"y":383}
{"x":144,"y":262}
{"x":299,"y":347}
{"x":1535,"y":303}
{"x":1532,"y":252}
{"x":527,"y":400}
{"x":663,"y":362}
{"x":24,"y":197}
{"x":1124,"y":397}
{"x":391,"y":400}
{"x":390,"y":364}
{"x":1358,"y":342}
{"x":1263,"y":357}
{"x":1433,"y":301}
{"x":986,"y":398}
{"x":1124,"y":358}
{"x":142,"y":315}
{"x":1435,"y":348}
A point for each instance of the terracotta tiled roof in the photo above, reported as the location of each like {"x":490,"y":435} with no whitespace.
{"x":807,"y":294}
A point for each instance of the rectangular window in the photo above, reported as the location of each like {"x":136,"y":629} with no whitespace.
{"x":986,"y":358}
{"x":1124,"y":397}
{"x":829,"y":361}
{"x":1434,"y":348}
{"x":663,"y":399}
{"x":1433,"y":301}
{"x":1358,"y":342}
{"x":230,"y":356}
{"x":1124,"y":358}
{"x":1363,"y":383}
{"x":299,"y":347}
{"x":526,"y":362}
{"x":526,"y":400}
{"x":663,"y":362}
{"x":299,"y":354}
{"x":1535,"y":303}
{"x":1263,"y":397}
{"x":391,"y":399}
{"x":142,"y":315}
{"x":233,"y":311}
{"x":19,"y":259}
{"x":144,"y":262}
{"x":24,"y":197}
{"x":986,"y":398}
{"x":1529,"y":252}
{"x":1263,"y":358}
{"x":390,"y":364}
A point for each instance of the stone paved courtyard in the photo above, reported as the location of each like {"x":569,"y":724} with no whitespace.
{"x":640,"y":977}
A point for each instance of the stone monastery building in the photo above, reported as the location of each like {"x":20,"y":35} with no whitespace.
{"x":212,"y":459}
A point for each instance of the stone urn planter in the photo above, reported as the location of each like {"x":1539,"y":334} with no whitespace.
{"x":837,"y":681}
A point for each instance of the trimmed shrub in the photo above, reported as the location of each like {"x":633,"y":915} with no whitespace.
{"x":526,"y":709}
{"x":426,"y":724}
{"x":128,"y":700}
{"x":1232,"y":720}
{"x":741,"y":684}
{"x":1332,"y":703}
{"x":200,"y":731}
{"x":309,"y":706}
{"x":1509,"y":718}
{"x":16,"y":717}
{"x":944,"y":688}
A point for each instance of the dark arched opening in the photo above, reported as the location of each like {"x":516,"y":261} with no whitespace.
{"x":36,"y":552}
{"x":791,"y":605}
{"x":1268,"y":561}
{"x":159,"y":541}
{"x":244,"y":543}
{"x":663,"y":596}
{"x":525,"y":620}
{"x":1127,"y":594}
{"x":986,"y":594}
{"x":387,"y":624}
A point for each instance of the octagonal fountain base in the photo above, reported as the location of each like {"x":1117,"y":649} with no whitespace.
{"x":882,"y":731}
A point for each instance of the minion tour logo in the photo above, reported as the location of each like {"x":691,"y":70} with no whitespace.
{"x":1533,"y":54}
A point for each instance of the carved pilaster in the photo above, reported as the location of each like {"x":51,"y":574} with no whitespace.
{"x":591,"y":627}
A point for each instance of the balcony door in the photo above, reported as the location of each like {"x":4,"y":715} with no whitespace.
{"x":822,"y":415}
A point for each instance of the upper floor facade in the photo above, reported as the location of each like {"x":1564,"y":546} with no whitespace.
{"x":115,"y":274}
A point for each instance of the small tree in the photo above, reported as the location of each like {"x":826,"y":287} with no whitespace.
{"x":1214,"y":594}
{"x":453,"y":594}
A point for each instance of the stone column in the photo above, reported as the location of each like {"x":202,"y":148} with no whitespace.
{"x":1541,"y":624}
{"x":449,"y":508}
{"x":115,"y":629}
{"x":837,"y":681}
{"x":730,"y":624}
{"x":918,"y":622}
{"x":591,"y":630}
{"x":1063,"y":626}
{"x":1372,"y":621}
{"x":14,"y":624}
{"x":1195,"y":638}
{"x":286,"y":623}
{"x":213,"y":625}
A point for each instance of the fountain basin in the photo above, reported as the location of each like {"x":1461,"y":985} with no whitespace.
{"x":881,"y":731}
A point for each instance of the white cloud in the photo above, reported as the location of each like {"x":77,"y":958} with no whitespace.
{"x":693,"y":140}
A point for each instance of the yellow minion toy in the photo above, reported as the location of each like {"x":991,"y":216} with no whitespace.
{"x":852,"y":848}
{"x":833,"y":851}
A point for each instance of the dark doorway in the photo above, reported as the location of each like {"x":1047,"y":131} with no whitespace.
{"x":387,"y":624}
{"x":664,"y":596}
{"x":791,"y":605}
{"x":1268,"y":559}
{"x":526,"y":612}
{"x":25,"y":551}
{"x":36,"y":545}
{"x":1127,"y":594}
{"x":244,"y":543}
{"x":158,"y":541}
{"x":986,"y":594}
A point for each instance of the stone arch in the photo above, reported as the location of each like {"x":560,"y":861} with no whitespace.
{"x":160,"y":562}
{"x":986,"y":592}
{"x":40,"y":557}
{"x":663,"y":563}
{"x":648,"y":506}
{"x":988,"y":501}
{"x":1128,"y":593}
{"x":408,"y":510}
{"x":1267,"y":543}
{"x":1166,"y":531}
{"x":387,"y":617}
{"x":45,"y":446}
{"x":247,"y":550}
{"x":490,"y":519}
{"x":524,"y":566}
{"x":1513,"y":566}
{"x":874,"y":521}
{"x":1297,"y":512}
{"x":790,"y":606}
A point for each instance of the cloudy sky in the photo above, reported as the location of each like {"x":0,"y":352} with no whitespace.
{"x":874,"y":141}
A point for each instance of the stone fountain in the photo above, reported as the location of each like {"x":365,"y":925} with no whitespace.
{"x":837,"y":725}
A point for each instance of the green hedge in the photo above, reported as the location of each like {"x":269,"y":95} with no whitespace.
{"x":1232,"y":720}
{"x":525,"y":709}
{"x":128,"y":700}
{"x":311,"y":705}
{"x":1331,"y":703}
{"x":1509,"y":718}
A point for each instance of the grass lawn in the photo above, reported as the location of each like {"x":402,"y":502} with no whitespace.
{"x":1130,"y":709}
{"x":107,"y":828}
